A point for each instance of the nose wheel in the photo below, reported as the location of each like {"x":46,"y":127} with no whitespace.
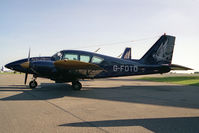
{"x":76,"y":85}
{"x":33,"y":84}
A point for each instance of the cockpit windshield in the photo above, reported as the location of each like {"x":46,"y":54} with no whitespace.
{"x":57,"y":56}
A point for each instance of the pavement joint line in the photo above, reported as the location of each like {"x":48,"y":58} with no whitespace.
{"x":60,"y":108}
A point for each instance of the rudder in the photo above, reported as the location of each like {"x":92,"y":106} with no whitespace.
{"x":161,"y":52}
{"x":127,"y":54}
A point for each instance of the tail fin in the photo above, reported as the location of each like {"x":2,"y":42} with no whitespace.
{"x":127,"y":54}
{"x":161,"y":52}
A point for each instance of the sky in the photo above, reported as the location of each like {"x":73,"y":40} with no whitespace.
{"x":48,"y":26}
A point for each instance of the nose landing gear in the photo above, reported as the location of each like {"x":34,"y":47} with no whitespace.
{"x":33,"y":83}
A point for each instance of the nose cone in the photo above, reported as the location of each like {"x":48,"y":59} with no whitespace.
{"x":9,"y":66}
{"x":17,"y":65}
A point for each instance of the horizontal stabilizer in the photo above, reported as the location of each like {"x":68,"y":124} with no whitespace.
{"x":179,"y":67}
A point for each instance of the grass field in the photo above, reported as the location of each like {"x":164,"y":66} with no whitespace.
{"x":184,"y":80}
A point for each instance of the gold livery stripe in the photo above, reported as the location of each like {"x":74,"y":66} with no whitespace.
{"x":25,"y":64}
{"x":73,"y":64}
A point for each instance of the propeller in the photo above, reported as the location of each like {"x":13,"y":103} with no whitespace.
{"x":27,"y":64}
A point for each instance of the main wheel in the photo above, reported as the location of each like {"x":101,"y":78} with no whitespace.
{"x":76,"y":85}
{"x":33,"y":84}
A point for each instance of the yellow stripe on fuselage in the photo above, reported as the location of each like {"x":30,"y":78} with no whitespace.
{"x":25,"y":64}
{"x":73,"y":64}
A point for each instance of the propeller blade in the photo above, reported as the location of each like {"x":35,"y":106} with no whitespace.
{"x":26,"y":65}
{"x":29,"y":55}
{"x":26,"y":76}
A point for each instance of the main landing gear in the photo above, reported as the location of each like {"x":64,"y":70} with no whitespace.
{"x":76,"y":85}
{"x":33,"y":83}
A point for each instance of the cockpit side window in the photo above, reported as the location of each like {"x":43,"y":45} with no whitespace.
{"x":70,"y":56}
{"x":96,"y":60}
{"x":85,"y":58}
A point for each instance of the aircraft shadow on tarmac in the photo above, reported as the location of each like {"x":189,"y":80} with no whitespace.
{"x":43,"y":92}
{"x":157,"y":125}
{"x":164,"y":95}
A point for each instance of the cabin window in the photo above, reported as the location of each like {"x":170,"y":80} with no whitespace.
{"x":68,"y":56}
{"x":84,"y":58}
{"x":96,"y":60}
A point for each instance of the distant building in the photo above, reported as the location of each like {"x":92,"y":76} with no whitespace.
{"x":3,"y":70}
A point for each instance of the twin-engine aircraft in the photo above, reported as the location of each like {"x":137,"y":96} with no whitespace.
{"x":74,"y":65}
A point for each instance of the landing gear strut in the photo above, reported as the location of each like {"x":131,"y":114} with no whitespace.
{"x":76,"y":85}
{"x":33,"y":83}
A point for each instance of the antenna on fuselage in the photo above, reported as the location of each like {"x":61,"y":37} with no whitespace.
{"x":97,"y":50}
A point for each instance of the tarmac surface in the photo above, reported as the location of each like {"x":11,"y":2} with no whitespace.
{"x":116,"y":105}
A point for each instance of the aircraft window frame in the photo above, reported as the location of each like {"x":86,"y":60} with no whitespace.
{"x":98,"y":61}
{"x":87,"y":61}
{"x":76,"y":56}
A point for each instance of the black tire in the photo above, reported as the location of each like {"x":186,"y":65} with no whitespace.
{"x":76,"y":85}
{"x":33,"y":84}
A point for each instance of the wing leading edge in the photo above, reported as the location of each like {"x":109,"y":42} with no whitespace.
{"x":79,"y":68}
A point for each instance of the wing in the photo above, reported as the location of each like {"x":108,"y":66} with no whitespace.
{"x":78,"y":68}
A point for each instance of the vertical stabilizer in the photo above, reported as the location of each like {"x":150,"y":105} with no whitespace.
{"x":127,"y":54}
{"x":161,"y":52}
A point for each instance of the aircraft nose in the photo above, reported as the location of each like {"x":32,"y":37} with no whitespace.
{"x":19,"y":65}
{"x":10,"y":66}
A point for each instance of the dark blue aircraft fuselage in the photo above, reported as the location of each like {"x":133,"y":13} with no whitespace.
{"x":112,"y":67}
{"x":73,"y":65}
